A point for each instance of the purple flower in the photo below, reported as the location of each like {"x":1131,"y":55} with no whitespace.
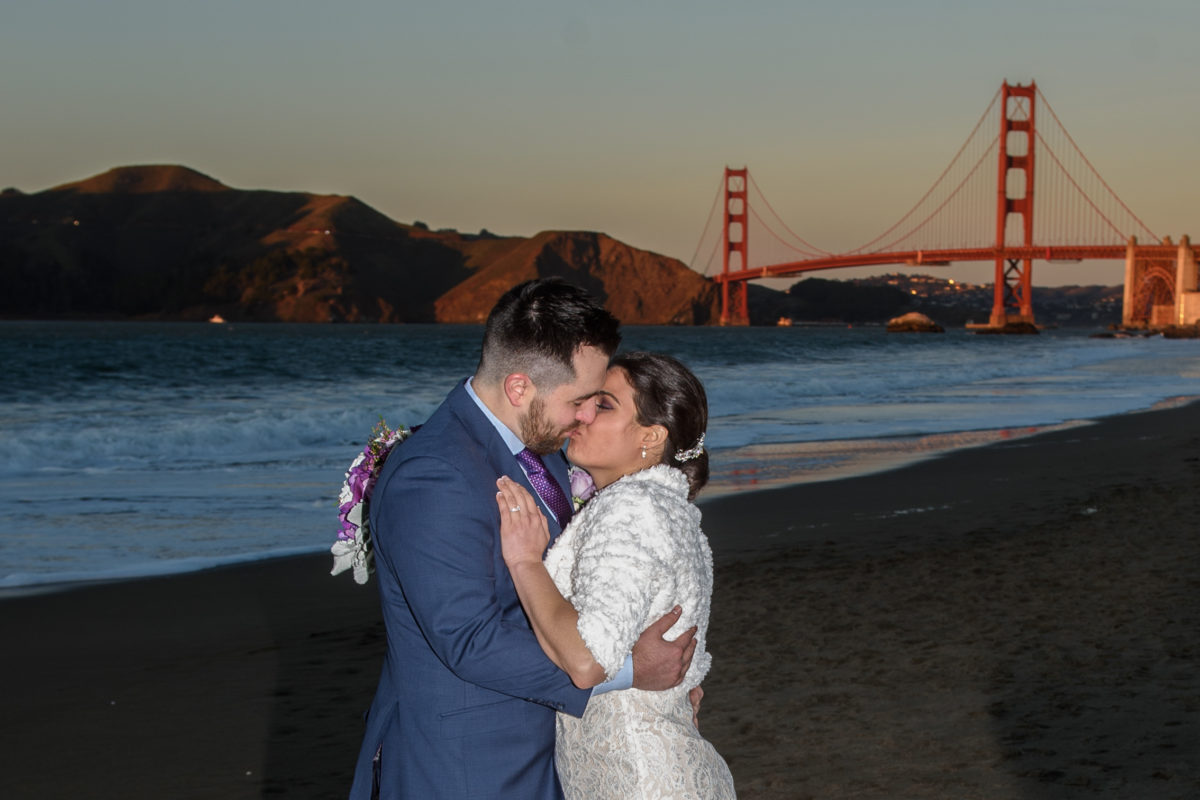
{"x":360,"y":483}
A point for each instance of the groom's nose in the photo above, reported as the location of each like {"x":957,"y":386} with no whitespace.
{"x":586,"y":413}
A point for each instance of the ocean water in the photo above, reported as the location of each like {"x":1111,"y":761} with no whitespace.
{"x":142,"y":448}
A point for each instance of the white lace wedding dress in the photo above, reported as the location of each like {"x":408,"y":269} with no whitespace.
{"x":627,"y":558}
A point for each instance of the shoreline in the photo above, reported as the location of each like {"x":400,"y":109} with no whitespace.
{"x":947,"y":483}
{"x":1009,"y":621}
{"x":756,"y":465}
{"x":761,"y":467}
{"x":50,"y":584}
{"x":755,"y":468}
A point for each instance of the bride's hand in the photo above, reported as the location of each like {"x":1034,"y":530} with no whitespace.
{"x":523,"y":530}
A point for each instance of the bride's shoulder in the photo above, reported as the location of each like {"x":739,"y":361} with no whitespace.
{"x":661,"y":482}
{"x":647,"y":511}
{"x":659,"y":492}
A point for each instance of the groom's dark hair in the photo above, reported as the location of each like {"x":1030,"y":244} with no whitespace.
{"x":537,"y":327}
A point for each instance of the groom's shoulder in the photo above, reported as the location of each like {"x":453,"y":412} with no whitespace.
{"x":451,"y":434}
{"x":452,"y":425}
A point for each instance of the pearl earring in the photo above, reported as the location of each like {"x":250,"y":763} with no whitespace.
{"x":643,"y":451}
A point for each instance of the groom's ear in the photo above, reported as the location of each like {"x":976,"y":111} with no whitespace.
{"x":518,"y":389}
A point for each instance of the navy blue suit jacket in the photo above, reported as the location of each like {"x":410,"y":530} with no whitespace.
{"x":466,"y":702}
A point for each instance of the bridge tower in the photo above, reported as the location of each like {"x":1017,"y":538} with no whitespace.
{"x":735,"y":234}
{"x":1013,"y":280}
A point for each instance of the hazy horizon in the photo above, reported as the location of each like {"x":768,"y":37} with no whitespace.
{"x":617,"y":117}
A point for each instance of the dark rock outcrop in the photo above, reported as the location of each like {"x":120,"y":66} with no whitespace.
{"x":913,"y":322}
{"x":1181,"y":331}
{"x":1018,"y":328}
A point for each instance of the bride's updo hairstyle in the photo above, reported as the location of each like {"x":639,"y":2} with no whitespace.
{"x":666,"y":393}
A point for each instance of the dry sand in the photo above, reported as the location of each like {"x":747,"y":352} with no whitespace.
{"x":1016,"y":621}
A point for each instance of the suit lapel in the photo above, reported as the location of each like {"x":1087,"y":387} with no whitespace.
{"x":499,"y":456}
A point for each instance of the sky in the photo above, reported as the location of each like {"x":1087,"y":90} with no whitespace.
{"x":613,"y":116}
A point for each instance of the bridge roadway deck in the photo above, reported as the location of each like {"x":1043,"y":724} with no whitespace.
{"x":944,"y":257}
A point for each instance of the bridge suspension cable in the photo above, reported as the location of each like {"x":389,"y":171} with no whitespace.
{"x":807,"y":248}
{"x":972,"y":138}
{"x":712,"y":213}
{"x":1122,"y":229}
{"x":1076,"y":206}
{"x":964,"y":216}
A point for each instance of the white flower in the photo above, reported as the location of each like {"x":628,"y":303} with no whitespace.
{"x":353,"y":554}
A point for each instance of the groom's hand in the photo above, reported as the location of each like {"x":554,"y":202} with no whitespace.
{"x":657,"y":663}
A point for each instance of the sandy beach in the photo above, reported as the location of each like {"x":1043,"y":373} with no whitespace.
{"x":1011,"y":621}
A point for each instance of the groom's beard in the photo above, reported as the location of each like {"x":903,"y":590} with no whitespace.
{"x":538,"y":434}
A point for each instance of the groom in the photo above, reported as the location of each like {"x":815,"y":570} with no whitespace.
{"x":466,"y":702}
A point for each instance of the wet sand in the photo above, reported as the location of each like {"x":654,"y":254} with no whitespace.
{"x":1018,"y":621}
{"x":1012,"y":621}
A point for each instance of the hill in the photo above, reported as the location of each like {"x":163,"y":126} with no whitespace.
{"x":951,"y":303}
{"x":167,"y":242}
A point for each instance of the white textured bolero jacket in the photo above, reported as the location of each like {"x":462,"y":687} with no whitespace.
{"x":627,"y":557}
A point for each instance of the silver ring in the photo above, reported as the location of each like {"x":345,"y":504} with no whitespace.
{"x":515,"y":509}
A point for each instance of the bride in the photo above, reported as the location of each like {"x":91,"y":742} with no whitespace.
{"x":630,"y":555}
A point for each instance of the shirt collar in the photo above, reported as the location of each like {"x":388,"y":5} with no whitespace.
{"x":515,"y":445}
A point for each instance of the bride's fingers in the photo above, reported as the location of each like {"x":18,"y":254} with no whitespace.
{"x":508,"y":490}
{"x":517,"y":496}
{"x":503,"y":504}
{"x":523,"y":498}
{"x":523,"y":530}
{"x":521,"y":516}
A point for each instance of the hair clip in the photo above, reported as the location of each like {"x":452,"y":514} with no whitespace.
{"x":693,"y":452}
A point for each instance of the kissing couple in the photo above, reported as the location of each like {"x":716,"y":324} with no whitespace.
{"x":513,"y":672}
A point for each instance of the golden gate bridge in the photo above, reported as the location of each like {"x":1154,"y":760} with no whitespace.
{"x":981,"y":208}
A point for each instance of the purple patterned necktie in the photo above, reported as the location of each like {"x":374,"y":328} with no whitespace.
{"x":546,"y":486}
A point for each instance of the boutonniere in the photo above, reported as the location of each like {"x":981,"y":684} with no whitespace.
{"x":582,"y":486}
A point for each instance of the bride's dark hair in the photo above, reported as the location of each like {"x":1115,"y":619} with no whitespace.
{"x":666,"y":393}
